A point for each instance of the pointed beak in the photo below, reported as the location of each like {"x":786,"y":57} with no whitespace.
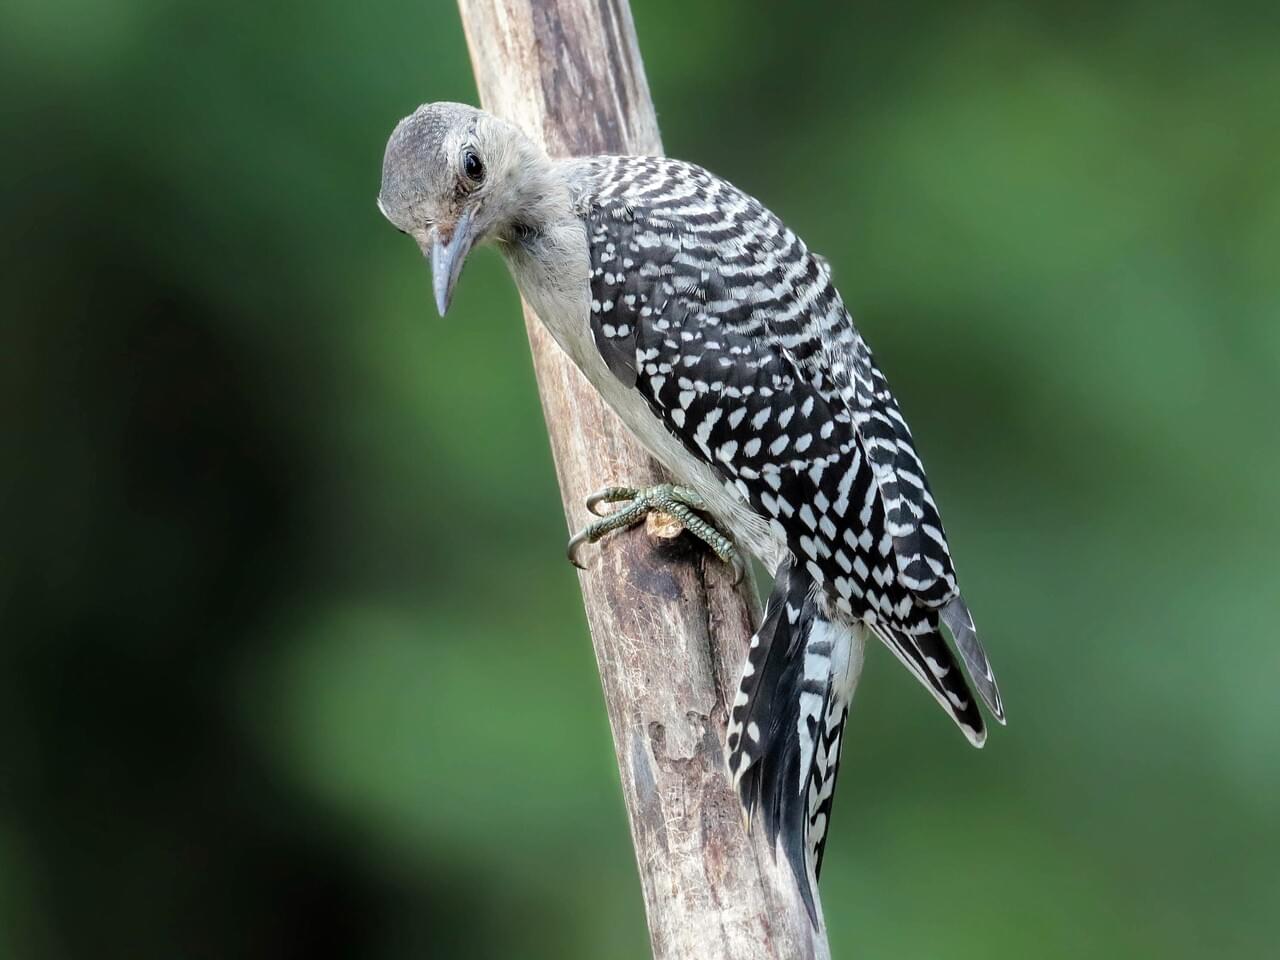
{"x":448,"y":254}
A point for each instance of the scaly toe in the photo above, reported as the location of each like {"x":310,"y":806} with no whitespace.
{"x":681,"y":504}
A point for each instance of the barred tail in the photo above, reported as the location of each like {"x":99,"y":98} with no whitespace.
{"x":787,"y":723}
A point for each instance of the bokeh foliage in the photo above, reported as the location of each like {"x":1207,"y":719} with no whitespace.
{"x":291,"y":664}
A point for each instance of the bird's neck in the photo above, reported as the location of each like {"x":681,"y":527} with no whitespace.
{"x":543,"y":205}
{"x":545,"y":246}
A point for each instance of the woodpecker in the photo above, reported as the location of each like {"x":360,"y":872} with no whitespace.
{"x":722,"y":343}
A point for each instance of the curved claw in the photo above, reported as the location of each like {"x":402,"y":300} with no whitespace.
{"x":739,"y":569}
{"x":571,"y":551}
{"x":597,"y":498}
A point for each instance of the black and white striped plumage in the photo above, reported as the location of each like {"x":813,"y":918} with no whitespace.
{"x":733,"y":333}
{"x":722,"y":343}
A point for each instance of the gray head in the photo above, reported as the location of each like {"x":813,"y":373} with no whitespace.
{"x":454,"y":176}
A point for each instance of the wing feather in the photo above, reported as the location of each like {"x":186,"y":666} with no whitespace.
{"x":733,"y":333}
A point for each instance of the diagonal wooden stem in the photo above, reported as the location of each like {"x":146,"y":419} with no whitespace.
{"x":669,"y":629}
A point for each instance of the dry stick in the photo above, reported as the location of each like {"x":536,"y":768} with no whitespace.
{"x":669,"y":629}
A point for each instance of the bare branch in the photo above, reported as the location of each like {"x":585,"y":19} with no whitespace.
{"x":670,"y":631}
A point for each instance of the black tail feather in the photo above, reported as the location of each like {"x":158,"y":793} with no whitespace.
{"x":786,"y":725}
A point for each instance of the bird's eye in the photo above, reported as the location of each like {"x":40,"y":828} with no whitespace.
{"x":472,"y":166}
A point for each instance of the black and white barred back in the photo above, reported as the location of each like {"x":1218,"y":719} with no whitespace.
{"x":735,"y":336}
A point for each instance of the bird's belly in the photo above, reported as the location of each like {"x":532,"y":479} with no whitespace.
{"x":731,"y":512}
{"x":567,"y":320}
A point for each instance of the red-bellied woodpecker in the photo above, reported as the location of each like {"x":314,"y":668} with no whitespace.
{"x":720,"y":340}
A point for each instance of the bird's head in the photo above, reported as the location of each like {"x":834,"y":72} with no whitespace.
{"x":452,"y":177}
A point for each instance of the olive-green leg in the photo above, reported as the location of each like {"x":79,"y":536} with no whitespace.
{"x":679,"y":502}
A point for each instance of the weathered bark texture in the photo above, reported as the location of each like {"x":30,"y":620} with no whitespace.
{"x":670,"y":631}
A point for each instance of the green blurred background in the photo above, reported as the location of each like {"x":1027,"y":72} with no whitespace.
{"x":291,"y":664}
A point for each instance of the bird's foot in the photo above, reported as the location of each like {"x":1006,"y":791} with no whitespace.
{"x":681,"y":503}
